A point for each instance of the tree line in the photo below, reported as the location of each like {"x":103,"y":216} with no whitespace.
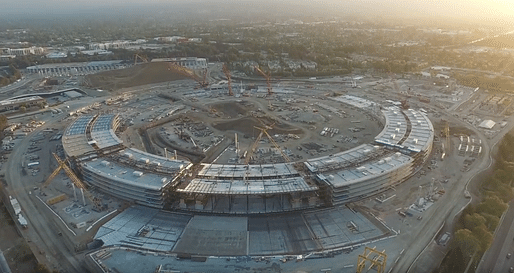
{"x":475,"y":227}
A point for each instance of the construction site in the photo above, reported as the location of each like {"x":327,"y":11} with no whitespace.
{"x":206,"y":167}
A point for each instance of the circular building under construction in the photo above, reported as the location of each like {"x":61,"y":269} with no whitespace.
{"x":394,"y":155}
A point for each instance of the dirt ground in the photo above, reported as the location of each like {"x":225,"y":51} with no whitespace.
{"x":133,"y":76}
{"x":247,"y":125}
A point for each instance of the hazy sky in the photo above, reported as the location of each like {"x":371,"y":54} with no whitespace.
{"x":500,"y":11}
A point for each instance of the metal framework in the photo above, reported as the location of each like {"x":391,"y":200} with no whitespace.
{"x":267,"y":77}
{"x":76,"y":181}
{"x":229,"y":79}
{"x":376,"y":258}
{"x":142,"y":58}
{"x":264,"y":131}
{"x":189,"y":73}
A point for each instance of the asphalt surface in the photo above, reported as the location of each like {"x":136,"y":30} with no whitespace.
{"x":43,"y":229}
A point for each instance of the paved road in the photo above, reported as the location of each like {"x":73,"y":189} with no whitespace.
{"x":450,"y":209}
{"x":447,"y":211}
{"x":42,"y":229}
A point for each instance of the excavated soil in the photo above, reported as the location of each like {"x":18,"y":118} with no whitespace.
{"x":133,"y":76}
{"x":247,"y":125}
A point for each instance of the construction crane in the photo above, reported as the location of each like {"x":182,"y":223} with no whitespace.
{"x":229,"y":79}
{"x":264,"y":131}
{"x":267,"y":77}
{"x":379,"y":260}
{"x":189,"y":73}
{"x":97,"y":203}
{"x":141,"y":58}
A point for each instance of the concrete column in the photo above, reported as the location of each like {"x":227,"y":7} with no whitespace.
{"x":198,"y":205}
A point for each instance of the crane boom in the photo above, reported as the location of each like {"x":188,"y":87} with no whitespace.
{"x":278,"y":147}
{"x":267,"y":77}
{"x":76,"y":181}
{"x":264,"y":131}
{"x":253,"y":148}
{"x":137,"y":56}
{"x":189,"y":73}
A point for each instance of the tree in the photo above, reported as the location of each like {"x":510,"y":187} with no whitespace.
{"x":472,"y":221}
{"x":3,"y":122}
{"x":484,"y":236}
{"x":453,"y":262}
{"x":492,"y":205}
{"x":467,"y":242}
{"x":491,"y":221}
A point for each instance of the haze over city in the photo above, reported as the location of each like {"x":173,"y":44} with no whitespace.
{"x":478,"y":11}
{"x":256,"y":136}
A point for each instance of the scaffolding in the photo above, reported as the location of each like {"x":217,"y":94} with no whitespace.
{"x":376,"y":259}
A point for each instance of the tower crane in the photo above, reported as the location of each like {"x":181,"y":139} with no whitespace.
{"x":176,"y":68}
{"x":141,"y":58}
{"x":264,"y":131}
{"x":267,"y":77}
{"x":97,"y":203}
{"x":229,"y":79}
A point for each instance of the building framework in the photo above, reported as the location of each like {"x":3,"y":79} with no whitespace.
{"x":397,"y":152}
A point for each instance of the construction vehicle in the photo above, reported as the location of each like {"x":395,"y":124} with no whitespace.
{"x":267,"y":77}
{"x":143,"y":59}
{"x":176,"y":68}
{"x":76,"y":182}
{"x":377,"y":260}
{"x":229,"y":79}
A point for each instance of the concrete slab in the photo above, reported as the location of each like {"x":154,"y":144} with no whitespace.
{"x":341,"y":226}
{"x":213,"y":235}
{"x":281,"y":234}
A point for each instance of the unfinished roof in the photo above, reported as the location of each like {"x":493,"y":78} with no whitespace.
{"x":247,"y":187}
{"x":248,"y":171}
{"x":74,"y":139}
{"x":343,"y":159}
{"x":102,"y":132}
{"x":145,"y":228}
{"x":163,"y":162}
{"x":487,"y":124}
{"x":422,"y":132}
{"x":20,"y":100}
{"x":366,"y":172}
{"x":355,"y":101}
{"x":395,"y":127}
{"x":124,"y":175}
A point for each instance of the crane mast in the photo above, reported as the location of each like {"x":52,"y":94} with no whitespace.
{"x":229,"y":79}
{"x":267,"y":77}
